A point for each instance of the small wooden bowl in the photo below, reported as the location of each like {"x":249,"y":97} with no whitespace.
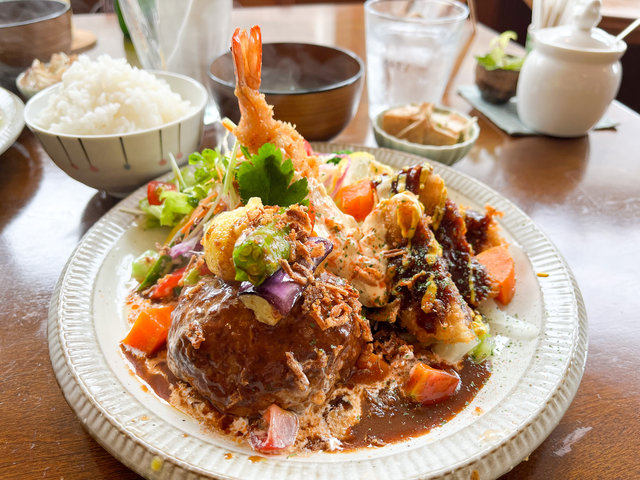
{"x":314,"y":87}
{"x":30,"y":30}
{"x":496,"y":86}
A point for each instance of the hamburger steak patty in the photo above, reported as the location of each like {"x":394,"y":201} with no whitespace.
{"x":242,"y":365}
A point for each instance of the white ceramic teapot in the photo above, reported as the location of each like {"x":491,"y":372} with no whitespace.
{"x":571,"y":75}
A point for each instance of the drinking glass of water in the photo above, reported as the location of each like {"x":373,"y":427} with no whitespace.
{"x":181,"y":36}
{"x":411,"y":48}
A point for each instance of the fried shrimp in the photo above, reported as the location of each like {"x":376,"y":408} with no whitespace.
{"x":257,"y":125}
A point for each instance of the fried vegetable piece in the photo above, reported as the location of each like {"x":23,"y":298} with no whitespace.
{"x":501,"y":271}
{"x":468,"y":274}
{"x":429,"y":385}
{"x":432,"y":307}
{"x":482,"y":230}
{"x":221,"y":236}
{"x":422,"y":181}
{"x":149,"y":331}
{"x":258,"y":256}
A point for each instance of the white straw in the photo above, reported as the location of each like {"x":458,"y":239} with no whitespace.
{"x":554,"y":12}
{"x":632,"y":26}
{"x":546,"y":12}
{"x":535,"y":14}
{"x":567,"y":12}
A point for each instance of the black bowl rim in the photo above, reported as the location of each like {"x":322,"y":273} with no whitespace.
{"x":332,"y":86}
{"x":58,"y":13}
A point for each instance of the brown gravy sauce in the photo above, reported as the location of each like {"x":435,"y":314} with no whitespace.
{"x":389,"y":418}
{"x":159,"y":383}
{"x":386,"y":418}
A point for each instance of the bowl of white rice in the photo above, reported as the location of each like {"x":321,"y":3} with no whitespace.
{"x":114,"y":127}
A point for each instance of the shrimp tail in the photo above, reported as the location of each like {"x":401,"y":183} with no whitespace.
{"x":247,"y":56}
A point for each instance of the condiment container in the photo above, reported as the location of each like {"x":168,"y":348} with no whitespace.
{"x":570,"y":76}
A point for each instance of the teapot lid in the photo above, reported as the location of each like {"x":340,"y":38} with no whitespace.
{"x":581,"y":33}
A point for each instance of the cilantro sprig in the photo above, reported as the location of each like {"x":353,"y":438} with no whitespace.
{"x":207,"y":165}
{"x":267,"y":176}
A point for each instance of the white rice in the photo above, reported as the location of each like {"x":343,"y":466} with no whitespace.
{"x":109,"y":96}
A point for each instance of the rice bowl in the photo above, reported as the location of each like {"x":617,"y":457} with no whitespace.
{"x":120,"y":162}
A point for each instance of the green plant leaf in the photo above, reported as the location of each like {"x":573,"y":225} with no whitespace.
{"x":266,"y":176}
{"x":497,"y":58}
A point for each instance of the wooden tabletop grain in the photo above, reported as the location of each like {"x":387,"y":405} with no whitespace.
{"x":584,"y":193}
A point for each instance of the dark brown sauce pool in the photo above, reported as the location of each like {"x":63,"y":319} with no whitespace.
{"x":160,"y":383}
{"x":389,"y":418}
{"x":386,"y":418}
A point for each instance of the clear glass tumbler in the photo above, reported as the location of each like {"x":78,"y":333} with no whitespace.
{"x":182,"y":36}
{"x":411,"y":48}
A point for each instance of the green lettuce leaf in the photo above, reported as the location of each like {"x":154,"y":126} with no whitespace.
{"x":174,"y":206}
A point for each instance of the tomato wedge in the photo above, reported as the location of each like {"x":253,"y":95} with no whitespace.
{"x":281,"y":431}
{"x":428,"y":385}
{"x":165,"y":286}
{"x":155,"y":188}
{"x":356,"y":199}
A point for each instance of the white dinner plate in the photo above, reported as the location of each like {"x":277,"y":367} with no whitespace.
{"x":541,"y":337}
{"x":11,"y":119}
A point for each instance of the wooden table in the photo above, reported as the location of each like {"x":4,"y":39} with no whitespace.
{"x":585,"y":193}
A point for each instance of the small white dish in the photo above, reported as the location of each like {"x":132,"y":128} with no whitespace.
{"x":447,"y":154}
{"x":535,"y":373}
{"x":11,"y":119}
{"x":26,"y":93}
{"x":119,"y":163}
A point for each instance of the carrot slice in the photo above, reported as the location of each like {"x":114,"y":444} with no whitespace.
{"x":199,"y":212}
{"x":356,"y":199}
{"x":501,"y":270}
{"x":149,"y":331}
